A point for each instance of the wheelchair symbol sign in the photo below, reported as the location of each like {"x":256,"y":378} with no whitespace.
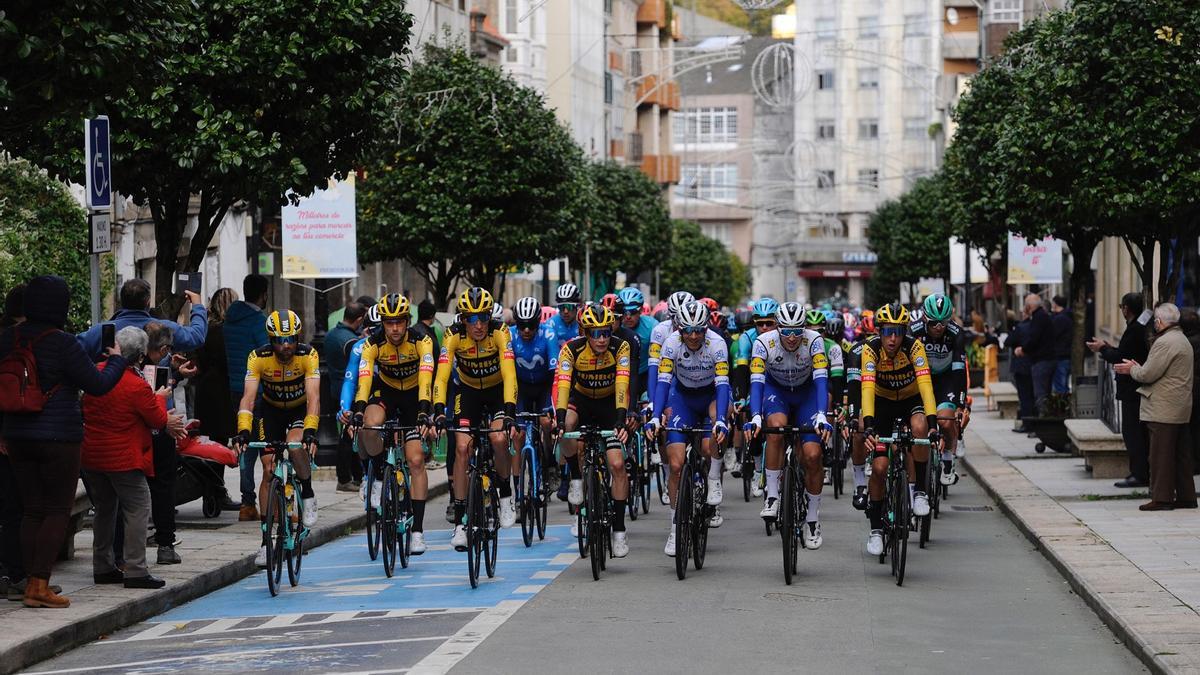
{"x":98,"y":162}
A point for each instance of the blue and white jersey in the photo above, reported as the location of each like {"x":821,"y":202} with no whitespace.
{"x":703,"y":367}
{"x":558,"y":332}
{"x":770,"y":361}
{"x":535,"y":358}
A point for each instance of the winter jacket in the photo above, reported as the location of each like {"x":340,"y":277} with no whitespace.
{"x":245,"y":331}
{"x":117,"y":425}
{"x":1166,"y":379}
{"x":187,"y":338}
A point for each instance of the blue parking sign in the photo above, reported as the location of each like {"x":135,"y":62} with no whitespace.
{"x":98,"y":163}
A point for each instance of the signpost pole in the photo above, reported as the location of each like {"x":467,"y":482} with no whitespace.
{"x":966,"y":308}
{"x":98,"y":172}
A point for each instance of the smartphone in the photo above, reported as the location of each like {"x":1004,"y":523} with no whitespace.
{"x":149,"y":373}
{"x":108,"y":336}
{"x":162,"y":376}
{"x":189,"y":281}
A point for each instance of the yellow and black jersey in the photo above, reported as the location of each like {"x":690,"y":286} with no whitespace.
{"x":584,"y":372}
{"x":403,"y":367}
{"x":282,"y":383}
{"x":480,"y":365}
{"x":898,"y":377}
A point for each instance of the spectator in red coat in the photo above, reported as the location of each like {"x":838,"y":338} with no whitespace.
{"x":117,"y":458}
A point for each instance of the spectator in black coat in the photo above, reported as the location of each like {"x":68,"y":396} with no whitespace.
{"x":1063,"y":325}
{"x":1189,"y":322}
{"x":338,"y":343}
{"x":1133,"y":346}
{"x":11,"y":566}
{"x":1018,"y":368}
{"x":1038,"y":347}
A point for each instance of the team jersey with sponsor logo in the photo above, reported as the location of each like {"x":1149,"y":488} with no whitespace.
{"x":770,"y":361}
{"x":405,"y":366}
{"x":479,"y":364}
{"x":594,"y":375}
{"x":904,"y":375}
{"x":282,"y":383}
{"x":694,"y":369}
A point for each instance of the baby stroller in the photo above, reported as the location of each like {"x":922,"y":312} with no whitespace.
{"x":200,"y":470}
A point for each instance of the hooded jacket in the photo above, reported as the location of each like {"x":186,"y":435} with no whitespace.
{"x":245,"y":331}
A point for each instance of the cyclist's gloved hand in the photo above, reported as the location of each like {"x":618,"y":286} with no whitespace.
{"x":821,"y":422}
{"x":560,"y":418}
{"x":720,"y":428}
{"x":356,"y":419}
{"x":651,"y":427}
{"x":440,"y":422}
{"x":242,"y":439}
{"x":310,"y":437}
{"x":423,"y":419}
{"x":932,"y":421}
{"x":622,"y":416}
{"x":753,"y":426}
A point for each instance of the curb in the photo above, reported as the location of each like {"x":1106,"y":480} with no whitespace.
{"x":1147,"y":653}
{"x":143,"y":607}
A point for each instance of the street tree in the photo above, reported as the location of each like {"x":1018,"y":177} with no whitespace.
{"x":903,"y":233}
{"x":628,"y":223}
{"x":703,"y":266}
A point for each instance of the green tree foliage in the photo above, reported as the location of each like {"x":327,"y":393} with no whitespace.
{"x":42,"y":231}
{"x":728,"y":11}
{"x":236,"y":100}
{"x":910,"y":237}
{"x":629,"y":224}
{"x":702,"y":266}
{"x":475,"y":176}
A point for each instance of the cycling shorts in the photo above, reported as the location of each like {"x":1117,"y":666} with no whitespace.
{"x":596,"y":412}
{"x":398,"y":406}
{"x":886,"y":412}
{"x":272,"y":424}
{"x":689,"y":408}
{"x":944,"y":391}
{"x":799,"y":404}
{"x":476,"y":407}
{"x":533,"y":398}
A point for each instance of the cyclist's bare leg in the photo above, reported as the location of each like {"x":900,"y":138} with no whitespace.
{"x":370,"y":443}
{"x":675,"y":462}
{"x":462,"y":457}
{"x":620,"y":477}
{"x":814,"y":469}
{"x":918,"y":455}
{"x":415,"y":455}
{"x":948,"y":423}
{"x":500,"y":447}
{"x":301,"y":462}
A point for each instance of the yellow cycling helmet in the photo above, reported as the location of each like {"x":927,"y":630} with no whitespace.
{"x":283,"y":323}
{"x":596,"y":316}
{"x":475,"y":300}
{"x":394,"y":306}
{"x":893,"y":312}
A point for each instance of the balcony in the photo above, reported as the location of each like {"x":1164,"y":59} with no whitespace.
{"x":653,"y":11}
{"x":960,"y":45}
{"x":615,"y":62}
{"x":651,"y":92}
{"x":663,"y":169}
{"x":616,"y":149}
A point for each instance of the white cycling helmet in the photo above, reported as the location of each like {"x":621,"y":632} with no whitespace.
{"x":527,"y":309}
{"x":568,"y":293}
{"x":498,"y":312}
{"x":692,"y":315}
{"x":373,"y":318}
{"x":790,"y":315}
{"x":677,"y":300}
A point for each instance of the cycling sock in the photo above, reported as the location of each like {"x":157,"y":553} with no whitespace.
{"x":306,"y":491}
{"x":912,"y":489}
{"x":460,"y":509}
{"x":418,"y":515}
{"x":773,"y":482}
{"x":947,"y":455}
{"x":714,"y":469}
{"x":618,"y":523}
{"x":505,"y":488}
{"x":860,"y":475}
{"x":875,"y":514}
{"x":575,"y":472}
{"x":922,"y":469}
{"x":671,"y":521}
{"x":814,"y":507}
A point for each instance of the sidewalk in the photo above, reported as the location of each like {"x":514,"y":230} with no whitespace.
{"x":1139,"y":571}
{"x":216,"y":552}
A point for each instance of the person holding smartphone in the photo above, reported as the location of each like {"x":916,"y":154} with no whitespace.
{"x":160,"y":343}
{"x":135,"y":297}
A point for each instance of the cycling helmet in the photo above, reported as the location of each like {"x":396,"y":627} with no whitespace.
{"x":744,"y":319}
{"x":527,"y":310}
{"x":717,"y":321}
{"x":662,"y":315}
{"x":610,"y":301}
{"x":892,"y":313}
{"x":790,"y":315}
{"x":829,"y":314}
{"x":548,"y":313}
{"x":938,"y":307}
{"x":835,"y":328}
{"x":916,"y":316}
{"x":867,"y":325}
{"x":677,"y":300}
{"x":631,"y":298}
{"x":475,"y":300}
{"x":692,"y":315}
{"x":765,"y":307}
{"x":568,"y":293}
{"x":596,"y":315}
{"x":498,"y":312}
{"x":394,"y":306}
{"x":710,"y":304}
{"x":283,"y":323}
{"x":373,"y":316}
{"x":814,"y":317}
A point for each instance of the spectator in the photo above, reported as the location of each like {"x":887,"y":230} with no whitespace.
{"x":43,"y":447}
{"x":1018,"y":368}
{"x":1038,"y":346}
{"x":1132,"y":346}
{"x":1166,"y":406}
{"x":1189,"y":323}
{"x":337,"y":315}
{"x":213,"y":402}
{"x":166,"y":457}
{"x":245,"y":330}
{"x":117,"y":458}
{"x":338,"y":343}
{"x":11,"y":567}
{"x":1063,"y":328}
{"x":135,"y":311}
{"x":427,"y":317}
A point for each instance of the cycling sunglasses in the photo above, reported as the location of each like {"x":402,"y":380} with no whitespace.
{"x":889,"y":331}
{"x":527,"y":325}
{"x":693,"y":330}
{"x":935,"y":323}
{"x":600,"y":333}
{"x":633,"y":310}
{"x":290,"y":340}
{"x":476,"y":318}
{"x":764,"y":323}
{"x":567,"y":307}
{"x":791,"y":332}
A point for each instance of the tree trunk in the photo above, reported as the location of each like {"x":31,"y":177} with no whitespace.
{"x":440,"y":282}
{"x":170,"y":220}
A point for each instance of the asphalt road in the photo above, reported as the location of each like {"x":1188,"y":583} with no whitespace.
{"x":978,"y":600}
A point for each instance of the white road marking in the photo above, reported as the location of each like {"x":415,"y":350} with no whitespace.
{"x":469,"y":637}
{"x":218,"y":626}
{"x":528,"y":588}
{"x":546,"y":574}
{"x":564,"y":559}
{"x":151,"y":633}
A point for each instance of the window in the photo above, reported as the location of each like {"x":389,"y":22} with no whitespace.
{"x":868,"y":78}
{"x":916,"y":25}
{"x":915,"y":128}
{"x":718,"y":231}
{"x":510,"y":16}
{"x":868,"y":26}
{"x":825,"y":130}
{"x":706,"y":125}
{"x":868,"y":128}
{"x":914,"y":77}
{"x":868,"y":179}
{"x":1006,"y":11}
{"x":709,"y":182}
{"x":825,"y":79}
{"x":512,"y":54}
{"x":608,"y":88}
{"x":825,"y":179}
{"x":826,"y":28}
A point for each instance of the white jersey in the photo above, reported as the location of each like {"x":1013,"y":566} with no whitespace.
{"x":694,"y":369}
{"x":658,"y":336}
{"x":769,"y":360}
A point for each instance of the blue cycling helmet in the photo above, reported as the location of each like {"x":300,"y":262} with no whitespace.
{"x":765,"y":307}
{"x":830,"y":315}
{"x":631,"y":298}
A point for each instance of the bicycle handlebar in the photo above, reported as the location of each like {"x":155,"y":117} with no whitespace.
{"x":390,"y":427}
{"x":803,"y":429}
{"x":531,"y":416}
{"x":689,"y":430}
{"x":602,"y":433}
{"x":897,"y":439}
{"x":275,"y":445}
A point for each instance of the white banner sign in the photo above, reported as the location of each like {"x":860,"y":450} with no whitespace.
{"x":319,"y":234}
{"x":957,"y":262}
{"x":927,"y":286}
{"x":1034,"y":262}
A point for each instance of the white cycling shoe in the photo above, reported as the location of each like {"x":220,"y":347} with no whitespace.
{"x":920,"y":504}
{"x":459,"y":539}
{"x":875,"y":542}
{"x":417,"y":546}
{"x":575,"y":492}
{"x":620,"y":547}
{"x":508,"y":512}
{"x":756,"y":488}
{"x":310,"y":512}
{"x":812,"y":536}
{"x":715,"y":493}
{"x":770,"y":508}
{"x":575,"y":528}
{"x":260,"y":558}
{"x":669,"y":549}
{"x":948,"y":475}
{"x":655,"y":457}
{"x":717,"y":519}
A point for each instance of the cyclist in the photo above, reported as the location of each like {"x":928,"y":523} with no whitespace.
{"x":613,"y":304}
{"x":896,"y":384}
{"x":658,"y":337}
{"x":535,"y":361}
{"x":763,"y":311}
{"x":395,"y":377}
{"x":289,"y":374}
{"x":946,"y":347}
{"x":693,"y":385}
{"x":563,"y":326}
{"x":631,"y":302}
{"x":817,"y":321}
{"x":853,"y":398}
{"x":486,"y":394}
{"x":592,"y":389}
{"x":739,"y":381}
{"x":350,"y":382}
{"x":788,"y":384}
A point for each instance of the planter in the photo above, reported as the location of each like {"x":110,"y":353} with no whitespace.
{"x":1051,"y":432}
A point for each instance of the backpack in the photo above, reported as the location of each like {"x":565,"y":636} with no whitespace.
{"x":19,"y":388}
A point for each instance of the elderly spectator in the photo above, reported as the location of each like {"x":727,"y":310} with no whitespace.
{"x":213,"y":402}
{"x":1189,"y":323}
{"x":11,"y":567}
{"x":166,"y":456}
{"x":1019,"y":369}
{"x":43,"y":447}
{"x":1038,"y":346}
{"x":245,"y":330}
{"x":1166,"y":407}
{"x":135,"y":311}
{"x":1133,"y":346}
{"x":118,"y":457}
{"x":1063,"y":328}
{"x":338,"y":343}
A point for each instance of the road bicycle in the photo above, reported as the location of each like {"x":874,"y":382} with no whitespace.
{"x":390,"y":524}
{"x":532,"y":496}
{"x":897,"y":521}
{"x":594,"y":517}
{"x":793,"y":506}
{"x":283,"y":529}
{"x":692,"y":511}
{"x":639,"y":476}
{"x":482,"y":520}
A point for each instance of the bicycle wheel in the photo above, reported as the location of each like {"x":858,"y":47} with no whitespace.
{"x":595,"y":533}
{"x":660,"y":472}
{"x":901,"y":527}
{"x":525,"y":495}
{"x":373,"y":531}
{"x":787,"y":523}
{"x":275,"y":534}
{"x":839,"y":465}
{"x":581,"y":523}
{"x":700,"y":511}
{"x":541,"y":507}
{"x":645,"y":485}
{"x":387,"y":523}
{"x":474,"y":527}
{"x":491,"y":541}
{"x":935,"y":483}
{"x":683,"y":525}
{"x":924,"y":523}
{"x":295,"y":555}
{"x":635,"y":488}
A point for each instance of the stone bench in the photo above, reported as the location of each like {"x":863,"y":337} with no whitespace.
{"x":1103,"y":450}
{"x":1003,"y":397}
